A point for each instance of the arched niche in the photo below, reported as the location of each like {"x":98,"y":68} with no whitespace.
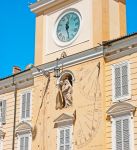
{"x":67,"y":74}
{"x":64,"y":98}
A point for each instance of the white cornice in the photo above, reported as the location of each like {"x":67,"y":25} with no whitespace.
{"x":120,"y":48}
{"x":75,"y":59}
{"x":44,"y":5}
{"x":21,"y":80}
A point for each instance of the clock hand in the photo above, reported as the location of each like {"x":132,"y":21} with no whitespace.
{"x":67,"y":28}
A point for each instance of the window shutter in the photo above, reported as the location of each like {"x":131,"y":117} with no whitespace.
{"x":126,"y":135}
{"x":26,"y":143}
{"x":1,"y":144}
{"x":67,"y":139}
{"x":125,"y":79}
{"x":117,"y":82}
{"x":4,"y":111}
{"x":61,"y":139}
{"x":64,"y":141}
{"x":22,"y":142}
{"x":28,"y":105}
{"x":1,"y":109}
{"x":23,"y":105}
{"x":119,"y":135}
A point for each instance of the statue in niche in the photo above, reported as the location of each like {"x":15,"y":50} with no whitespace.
{"x":64,"y":96}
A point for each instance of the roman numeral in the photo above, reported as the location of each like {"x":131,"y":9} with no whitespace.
{"x":77,"y":23}
{"x":75,"y":30}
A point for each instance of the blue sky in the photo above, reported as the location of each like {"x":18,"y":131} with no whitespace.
{"x":17,"y":33}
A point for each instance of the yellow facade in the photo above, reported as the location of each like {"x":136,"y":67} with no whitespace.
{"x":97,"y":110}
{"x":108,"y":86}
{"x":84,"y":107}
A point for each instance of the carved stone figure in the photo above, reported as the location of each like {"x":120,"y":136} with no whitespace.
{"x":64,"y":96}
{"x":67,"y":93}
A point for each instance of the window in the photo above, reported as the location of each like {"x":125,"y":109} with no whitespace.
{"x":64,"y":126}
{"x":121,"y":86}
{"x":3,"y":111}
{"x":122,"y":133}
{"x":26,"y":106}
{"x":25,"y":142}
{"x":64,"y":138}
{"x":1,"y":144}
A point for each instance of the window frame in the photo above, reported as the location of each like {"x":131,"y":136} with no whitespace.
{"x":131,"y":128}
{"x":58,"y":135}
{"x":121,"y":98}
{"x":26,"y":118}
{"x":1,"y":101}
{"x":3,"y":118}
{"x":29,"y":135}
{"x":1,"y":143}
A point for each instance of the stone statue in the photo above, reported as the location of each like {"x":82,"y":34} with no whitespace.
{"x":64,"y":96}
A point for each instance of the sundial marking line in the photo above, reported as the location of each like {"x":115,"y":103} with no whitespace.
{"x":94,"y":103}
{"x":92,"y":108}
{"x":81,"y":127}
{"x":93,"y":119}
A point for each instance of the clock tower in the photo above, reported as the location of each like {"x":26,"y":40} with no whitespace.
{"x":73,"y":26}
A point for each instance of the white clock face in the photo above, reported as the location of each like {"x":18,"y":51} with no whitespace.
{"x":67,"y":27}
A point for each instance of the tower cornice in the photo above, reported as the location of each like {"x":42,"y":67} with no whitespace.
{"x":44,"y":5}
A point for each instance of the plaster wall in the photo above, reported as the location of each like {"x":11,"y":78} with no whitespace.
{"x":108,"y":94}
{"x":114,"y":19}
{"x":8,"y":126}
{"x":88,"y":95}
{"x":122,"y":12}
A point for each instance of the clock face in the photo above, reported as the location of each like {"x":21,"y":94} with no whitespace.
{"x":68,"y":26}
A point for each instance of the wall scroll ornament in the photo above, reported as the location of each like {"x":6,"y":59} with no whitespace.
{"x":65,"y":89}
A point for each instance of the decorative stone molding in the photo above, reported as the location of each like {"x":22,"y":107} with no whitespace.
{"x":120,"y":109}
{"x":21,"y":80}
{"x":2,"y":134}
{"x":63,"y":120}
{"x":71,"y":60}
{"x":64,"y":74}
{"x":42,"y":5}
{"x":23,"y":128}
{"x":118,"y":48}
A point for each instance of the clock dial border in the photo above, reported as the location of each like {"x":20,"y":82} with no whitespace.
{"x":55,"y":37}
